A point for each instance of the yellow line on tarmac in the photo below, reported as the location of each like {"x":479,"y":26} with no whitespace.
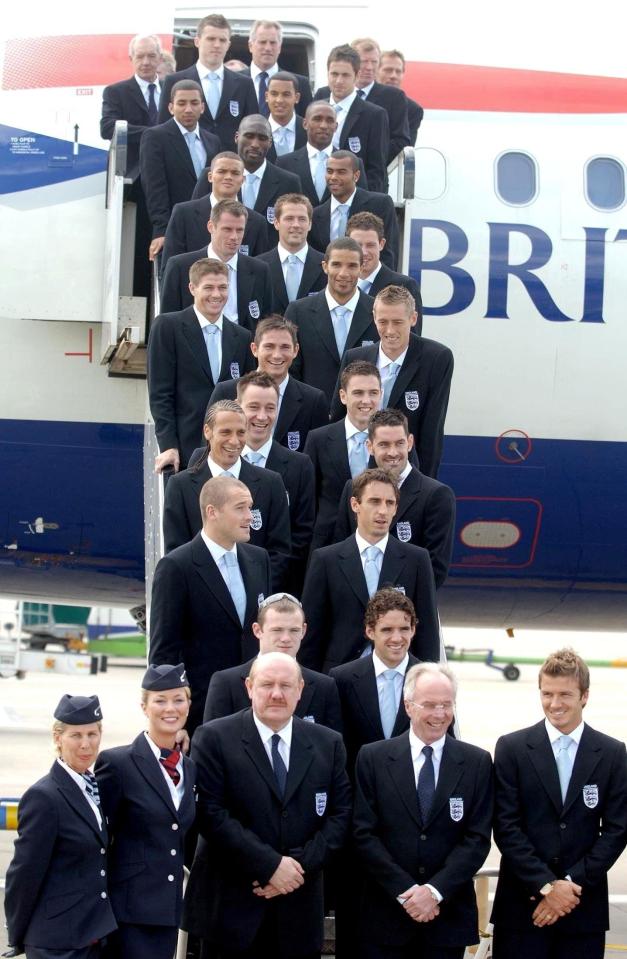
{"x":615,"y":948}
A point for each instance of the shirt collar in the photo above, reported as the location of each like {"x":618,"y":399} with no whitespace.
{"x":383,"y":360}
{"x":366,"y":90}
{"x":156,"y":750}
{"x":258,"y":173}
{"x":283,"y":385}
{"x":266,"y":733}
{"x":374,"y":274}
{"x":351,"y":429}
{"x":380,"y":667}
{"x":335,"y":203}
{"x":143,"y":84}
{"x":312,"y":152}
{"x":184,"y":131}
{"x":417,"y":744}
{"x":403,"y":476}
{"x":291,"y":125}
{"x":78,"y":779}
{"x":363,"y":544}
{"x":264,"y":450}
{"x":216,"y":470}
{"x":301,"y":254}
{"x":346,"y":103}
{"x":212,"y":255}
{"x":215,"y":549}
{"x":204,"y":71}
{"x":351,"y":305}
{"x":205,"y":322}
{"x":554,"y":734}
{"x":255,"y":70}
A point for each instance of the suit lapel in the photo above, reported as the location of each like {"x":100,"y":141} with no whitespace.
{"x":79,"y":803}
{"x":306,"y":697}
{"x":290,"y":407}
{"x":194,"y":336}
{"x":393,"y":562}
{"x":402,"y":719}
{"x":543,"y":761}
{"x":351,"y":118}
{"x":349,"y":562}
{"x":324,"y":325}
{"x":401,"y":770}
{"x":362,"y":319}
{"x":257,"y":754}
{"x":208,"y":571}
{"x":266,"y":190}
{"x":250,"y":574}
{"x":229,"y":350}
{"x":409,"y":493}
{"x":138,"y":96}
{"x":310,"y":270}
{"x":148,"y":766}
{"x":366,"y":694}
{"x":338,"y":451}
{"x":451,"y":768}
{"x":182,"y":149}
{"x":245,"y":283}
{"x":278,"y":281}
{"x":228,"y":85}
{"x":588,"y":755}
{"x":301,"y":756}
{"x":408,"y":370}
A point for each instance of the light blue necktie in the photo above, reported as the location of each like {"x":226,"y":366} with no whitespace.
{"x":236,"y":585}
{"x":340,"y":219}
{"x":281,"y":143}
{"x":211,"y":334}
{"x":250,"y":190}
{"x":320,"y":179}
{"x":564,"y":764}
{"x":254,"y":457}
{"x":364,"y":285}
{"x":191,"y":145}
{"x":230,"y":308}
{"x":390,"y":380}
{"x":336,"y":136}
{"x":371,"y":568}
{"x":387,"y":701}
{"x":213,"y":93}
{"x":358,"y":454}
{"x":340,"y":327}
{"x":293,"y":273}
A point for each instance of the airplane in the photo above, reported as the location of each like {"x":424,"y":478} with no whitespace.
{"x":516,"y":229}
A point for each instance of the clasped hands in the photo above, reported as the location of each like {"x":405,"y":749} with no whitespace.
{"x":287,"y":877}
{"x":419,"y":904}
{"x":563,"y":898}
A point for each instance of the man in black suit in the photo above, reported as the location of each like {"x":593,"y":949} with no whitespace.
{"x":309,"y":163}
{"x":282,"y":97}
{"x":560,"y":824}
{"x":171,"y":156}
{"x":187,"y":229}
{"x":228,"y":96}
{"x":369,"y":231}
{"x":205,"y":601}
{"x":426,"y":508}
{"x":415,"y":373}
{"x":362,"y":127}
{"x":330,"y":218}
{"x":295,"y":267}
{"x":225,"y":433}
{"x":301,"y":407}
{"x":423,"y":816}
{"x":264,"y":43}
{"x":391,"y":99}
{"x":333,"y":321}
{"x":258,"y":395}
{"x":274,"y":806}
{"x":280,"y":628}
{"x":338,"y":450}
{"x":186,"y":359}
{"x":341,"y":578}
{"x":391,"y":72}
{"x":250,"y":291}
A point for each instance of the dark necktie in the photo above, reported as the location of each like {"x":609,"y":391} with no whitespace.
{"x":152,"y":104}
{"x":426,"y":783}
{"x":91,"y":787}
{"x":263,"y":86}
{"x":278,"y":765}
{"x":169,"y":758}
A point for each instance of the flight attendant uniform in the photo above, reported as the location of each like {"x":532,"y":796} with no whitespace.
{"x":56,"y":901}
{"x":149,"y":799}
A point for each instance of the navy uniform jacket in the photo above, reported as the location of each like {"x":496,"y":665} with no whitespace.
{"x":56,"y":887}
{"x":187,"y":230}
{"x":335,"y":597}
{"x":182,"y":519}
{"x":298,"y":163}
{"x":303,"y":408}
{"x":328,"y":452}
{"x":313,"y":278}
{"x":421,"y":392}
{"x":361,"y":717}
{"x":318,"y":361}
{"x":238,"y":100}
{"x":246,"y":827}
{"x":193,"y":618}
{"x":179,"y":375}
{"x":542,"y":839}
{"x":319,"y":702}
{"x":398,"y":849}
{"x":366,"y":133}
{"x":304,"y":87}
{"x":364,"y":200}
{"x":125,"y":101}
{"x":425,"y":517}
{"x":254,"y":290}
{"x":300,"y":139}
{"x":387,"y":277}
{"x":167,"y":172}
{"x":394,"y":102}
{"x":147,"y":833}
{"x":415,"y":114}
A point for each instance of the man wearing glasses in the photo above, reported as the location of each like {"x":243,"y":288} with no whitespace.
{"x":423,"y":815}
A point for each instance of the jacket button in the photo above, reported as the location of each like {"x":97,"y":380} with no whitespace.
{"x":103,"y":895}
{"x":562,"y":825}
{"x":170,"y":878}
{"x":421,"y":870}
{"x":102,"y":872}
{"x":284,"y":814}
{"x":423,"y":836}
{"x":173,"y":852}
{"x":175,"y":826}
{"x":102,"y":852}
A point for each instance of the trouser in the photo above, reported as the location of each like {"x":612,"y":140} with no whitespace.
{"x":546,"y":942}
{"x":133,"y":941}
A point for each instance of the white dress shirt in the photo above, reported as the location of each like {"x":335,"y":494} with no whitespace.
{"x":418,"y":760}
{"x":217,"y":552}
{"x":284,"y":254}
{"x":350,"y":305}
{"x":254,"y":75}
{"x":370,"y":279}
{"x":285,"y":744}
{"x":401,"y":669}
{"x":143,"y":86}
{"x":230,"y":308}
{"x":384,"y":361}
{"x":199,"y":146}
{"x":216,"y":470}
{"x":282,"y":388}
{"x":264,"y":452}
{"x":176,"y":792}
{"x":363,"y":545}
{"x":335,"y":203}
{"x":555,"y":734}
{"x":203,"y":73}
{"x":403,"y":476}
{"x":218,"y":324}
{"x":366,"y":90}
{"x":345,"y":104}
{"x":290,"y":131}
{"x":258,"y":174}
{"x":80,"y":782}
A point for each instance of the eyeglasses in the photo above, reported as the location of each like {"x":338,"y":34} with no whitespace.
{"x":434,"y":707}
{"x":276,"y":598}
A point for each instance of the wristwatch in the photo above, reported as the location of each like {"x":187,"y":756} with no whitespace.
{"x":546,"y":889}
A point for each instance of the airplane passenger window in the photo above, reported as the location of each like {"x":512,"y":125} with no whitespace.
{"x":516,"y":178}
{"x":605,"y":183}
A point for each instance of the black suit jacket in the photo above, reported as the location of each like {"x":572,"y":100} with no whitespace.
{"x":125,"y":101}
{"x":182,"y":519}
{"x":421,"y":392}
{"x":359,"y":699}
{"x":54,"y":885}
{"x":398,"y":849}
{"x":179,"y":376}
{"x":335,"y":597}
{"x":394,"y":102}
{"x":313,"y":279}
{"x":187,"y":230}
{"x":300,"y":139}
{"x":304,"y":87}
{"x":415,"y":113}
{"x":296,"y":471}
{"x":303,"y":408}
{"x":254,"y":290}
{"x":238,"y":100}
{"x":425,"y":517}
{"x":298,"y":163}
{"x":167,"y":172}
{"x":366,"y":133}
{"x":387,"y":277}
{"x":319,"y":701}
{"x":318,"y":361}
{"x":542,"y":839}
{"x":379,"y":203}
{"x":246,"y":827}
{"x":193,"y":618}
{"x":327,"y":449}
{"x":141,"y":817}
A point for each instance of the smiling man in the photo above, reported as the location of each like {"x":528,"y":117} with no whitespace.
{"x":282,"y":97}
{"x":295,"y":267}
{"x":560,"y":823}
{"x":265,"y":41}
